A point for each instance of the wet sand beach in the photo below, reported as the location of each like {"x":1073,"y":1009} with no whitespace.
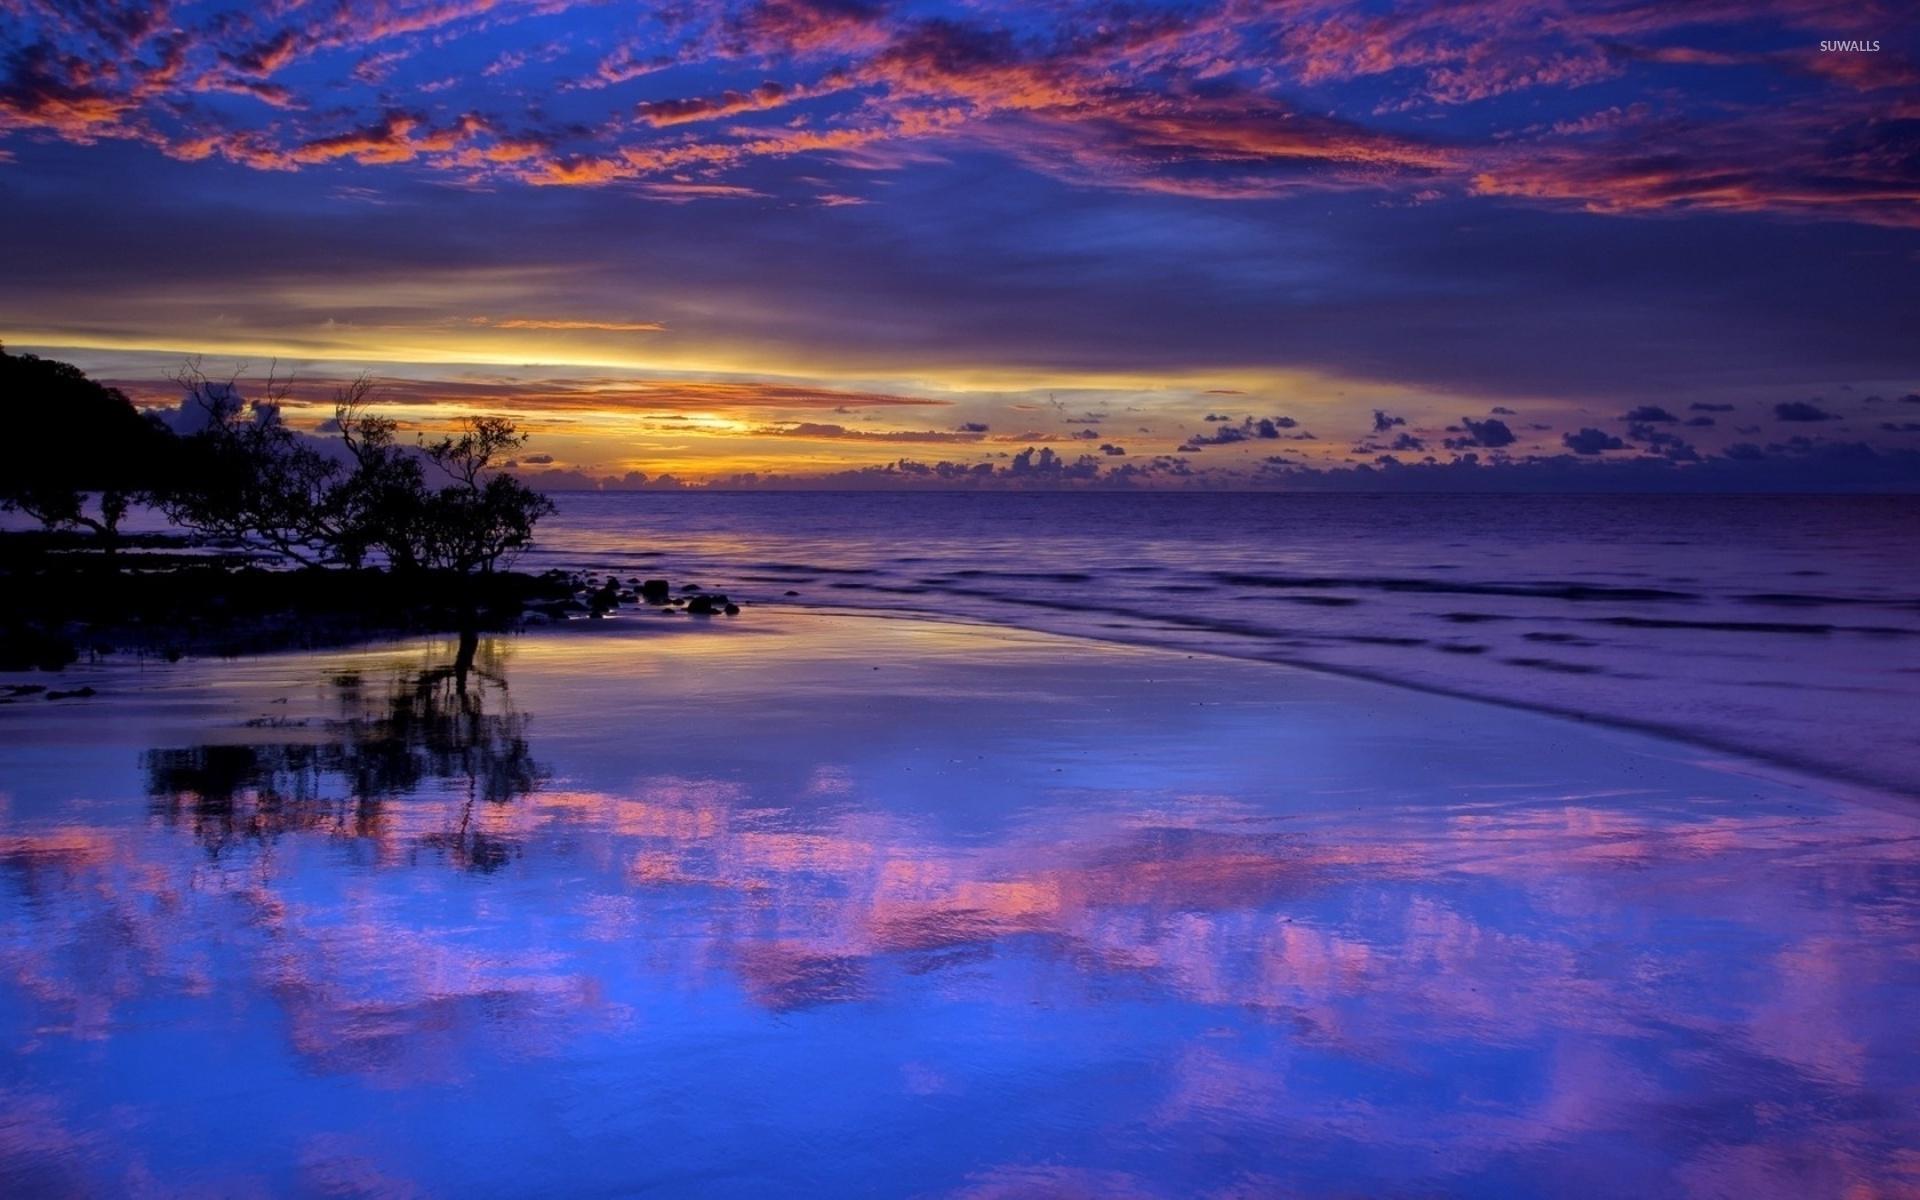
{"x":862,"y":905}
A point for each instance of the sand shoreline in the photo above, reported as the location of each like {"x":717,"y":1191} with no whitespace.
{"x":1884,"y":784}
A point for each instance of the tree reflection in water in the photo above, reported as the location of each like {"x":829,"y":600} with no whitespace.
{"x":444,"y":731}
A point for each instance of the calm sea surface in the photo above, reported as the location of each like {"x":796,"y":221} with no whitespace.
{"x":1783,"y":627}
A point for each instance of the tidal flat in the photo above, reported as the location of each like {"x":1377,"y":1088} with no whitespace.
{"x":837,"y":904}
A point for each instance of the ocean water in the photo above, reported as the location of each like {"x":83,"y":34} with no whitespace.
{"x":1786,"y":628}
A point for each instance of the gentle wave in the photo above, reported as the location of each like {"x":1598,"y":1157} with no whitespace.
{"x":1652,"y":611}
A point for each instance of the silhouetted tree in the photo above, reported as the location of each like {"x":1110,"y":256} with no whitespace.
{"x":383,"y":502}
{"x":71,"y":438}
{"x":479,"y":518}
{"x":249,"y":476}
{"x":483,"y":516}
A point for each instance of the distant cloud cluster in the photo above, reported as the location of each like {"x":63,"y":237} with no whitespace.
{"x":1799,"y":410}
{"x":1827,"y":467}
{"x":1248,"y":430}
{"x":1491,"y":433}
{"x":1590,"y":441}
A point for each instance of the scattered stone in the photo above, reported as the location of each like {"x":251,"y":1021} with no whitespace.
{"x":655,"y":591}
{"x":79,"y":693}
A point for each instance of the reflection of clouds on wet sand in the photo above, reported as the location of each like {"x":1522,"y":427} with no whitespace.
{"x":1339,"y":943}
{"x":1698,"y":991}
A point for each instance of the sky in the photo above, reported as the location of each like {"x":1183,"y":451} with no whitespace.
{"x":1297,"y":244}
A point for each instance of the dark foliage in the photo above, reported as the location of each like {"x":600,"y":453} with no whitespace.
{"x":106,"y":449}
{"x":439,"y":517}
{"x":57,"y":605}
{"x":249,"y":476}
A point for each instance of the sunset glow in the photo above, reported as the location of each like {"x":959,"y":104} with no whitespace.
{"x":791,"y":239}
